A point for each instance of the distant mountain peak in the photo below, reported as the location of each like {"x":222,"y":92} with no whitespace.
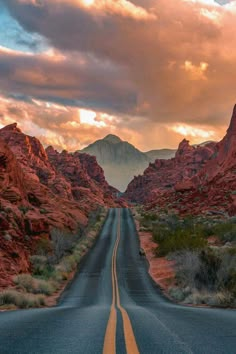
{"x":111,"y":138}
{"x":121,"y":161}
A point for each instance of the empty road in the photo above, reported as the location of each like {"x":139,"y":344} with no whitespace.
{"x":113,"y":306}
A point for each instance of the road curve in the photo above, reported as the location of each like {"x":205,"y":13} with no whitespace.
{"x":113,"y":306}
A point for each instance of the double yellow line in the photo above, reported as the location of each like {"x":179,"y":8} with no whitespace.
{"x":110,"y":336}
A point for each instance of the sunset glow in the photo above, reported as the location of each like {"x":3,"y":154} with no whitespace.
{"x":167,"y":73}
{"x":89,"y":117}
{"x":88,"y":2}
{"x":187,"y":131}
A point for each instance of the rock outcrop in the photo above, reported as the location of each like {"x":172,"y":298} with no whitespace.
{"x":39,"y":190}
{"x":198,"y":180}
{"x":167,"y":175}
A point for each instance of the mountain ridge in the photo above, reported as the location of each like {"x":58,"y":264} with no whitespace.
{"x":121,"y":161}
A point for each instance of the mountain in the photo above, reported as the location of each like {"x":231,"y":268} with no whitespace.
{"x":42,"y":189}
{"x":121,"y":161}
{"x":164,"y":154}
{"x":199,"y":180}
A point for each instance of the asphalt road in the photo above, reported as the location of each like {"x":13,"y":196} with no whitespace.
{"x":113,"y":306}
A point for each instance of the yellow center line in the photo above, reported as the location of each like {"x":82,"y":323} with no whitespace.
{"x":110,"y":336}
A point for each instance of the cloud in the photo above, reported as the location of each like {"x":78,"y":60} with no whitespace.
{"x":71,"y":128}
{"x":77,"y":79}
{"x":64,"y":127}
{"x":156,"y":62}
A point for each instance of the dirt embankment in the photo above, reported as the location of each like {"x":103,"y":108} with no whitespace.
{"x":161,"y":269}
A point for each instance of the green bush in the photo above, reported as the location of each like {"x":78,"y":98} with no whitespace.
{"x":39,"y":264}
{"x":225,"y":231}
{"x":176,"y":240}
{"x":24,"y":209}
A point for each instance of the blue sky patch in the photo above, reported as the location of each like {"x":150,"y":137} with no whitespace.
{"x":13,"y":36}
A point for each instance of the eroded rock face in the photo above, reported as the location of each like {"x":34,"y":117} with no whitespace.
{"x":169,"y":175}
{"x":198,"y":180}
{"x":41,"y":189}
{"x":84,"y":175}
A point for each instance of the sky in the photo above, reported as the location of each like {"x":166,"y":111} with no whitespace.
{"x":150,"y":71}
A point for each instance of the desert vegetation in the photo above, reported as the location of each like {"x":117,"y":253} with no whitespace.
{"x":53,"y":263}
{"x":204,"y":254}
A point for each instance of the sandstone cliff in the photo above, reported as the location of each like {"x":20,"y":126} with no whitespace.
{"x":40,"y":190}
{"x":198,"y":180}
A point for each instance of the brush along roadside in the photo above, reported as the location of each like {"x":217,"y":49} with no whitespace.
{"x":53,"y":267}
{"x":192,"y":259}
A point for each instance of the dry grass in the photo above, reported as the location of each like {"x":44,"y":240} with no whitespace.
{"x":33,"y":285}
{"x":206,"y":277}
{"x":21,"y":300}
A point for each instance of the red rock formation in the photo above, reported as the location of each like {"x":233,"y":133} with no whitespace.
{"x":40,"y":190}
{"x":198,"y":180}
{"x":85,"y":176}
{"x":168,"y":175}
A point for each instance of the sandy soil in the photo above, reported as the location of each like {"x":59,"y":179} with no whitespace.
{"x":161,"y":270}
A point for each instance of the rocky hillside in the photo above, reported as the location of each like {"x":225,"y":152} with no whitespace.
{"x":198,"y":180}
{"x":41,"y":190}
{"x":163,"y":175}
{"x":121,"y":161}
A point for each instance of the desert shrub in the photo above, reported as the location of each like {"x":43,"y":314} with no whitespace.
{"x":221,"y":298}
{"x":67,"y":264}
{"x":43,"y":211}
{"x":21,"y":300}
{"x":24,"y":208}
{"x":226,"y":231}
{"x":43,"y":247}
{"x":200,"y":269}
{"x":62,"y":243}
{"x":177,"y":294}
{"x":177,"y":240}
{"x":39,"y":264}
{"x":218,"y":299}
{"x":204,"y":230}
{"x":32,"y":285}
{"x":210,"y":264}
{"x":197,"y":298}
{"x":227,"y":273}
{"x":210,"y":275}
{"x":25,"y":281}
{"x":187,"y":265}
{"x":44,"y":287}
{"x":147,"y":220}
{"x":77,"y":255}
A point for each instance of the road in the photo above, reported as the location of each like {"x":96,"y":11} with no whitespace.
{"x":113,"y":306}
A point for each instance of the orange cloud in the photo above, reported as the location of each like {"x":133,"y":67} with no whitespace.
{"x":152,"y":64}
